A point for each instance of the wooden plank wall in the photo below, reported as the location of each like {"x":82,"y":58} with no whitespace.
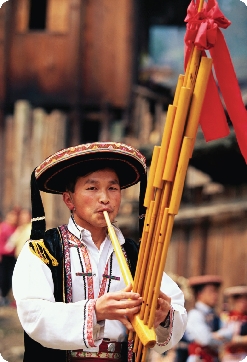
{"x":215,"y":244}
{"x":30,"y":136}
{"x":107,"y":50}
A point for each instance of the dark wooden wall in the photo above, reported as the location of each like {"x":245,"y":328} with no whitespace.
{"x":82,"y":56}
{"x":211,"y":238}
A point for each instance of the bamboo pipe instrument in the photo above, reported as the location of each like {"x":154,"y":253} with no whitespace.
{"x":191,"y":127}
{"x":170,"y":221}
{"x":176,"y":186}
{"x":177,"y":134}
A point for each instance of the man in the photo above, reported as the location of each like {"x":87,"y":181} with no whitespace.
{"x":71,"y":298}
{"x":202,"y":319}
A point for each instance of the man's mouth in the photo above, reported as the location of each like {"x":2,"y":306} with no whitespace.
{"x":101,"y":210}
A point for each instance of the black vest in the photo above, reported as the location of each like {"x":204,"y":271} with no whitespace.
{"x":34,"y":351}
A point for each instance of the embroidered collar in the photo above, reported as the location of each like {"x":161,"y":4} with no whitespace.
{"x":85,"y":235}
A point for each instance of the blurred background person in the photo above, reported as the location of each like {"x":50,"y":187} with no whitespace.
{"x":235,"y":321}
{"x":21,"y":234}
{"x":203,"y":319}
{"x":7,"y":258}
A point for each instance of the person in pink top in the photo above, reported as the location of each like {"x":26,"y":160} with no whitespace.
{"x":7,"y":258}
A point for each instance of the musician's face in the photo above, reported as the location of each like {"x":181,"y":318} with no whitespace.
{"x":209,"y":295}
{"x":240,"y":304}
{"x":94,"y":193}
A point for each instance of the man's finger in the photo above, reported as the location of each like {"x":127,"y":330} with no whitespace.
{"x":126,"y":323}
{"x":128,"y":288}
{"x":126,"y":295}
{"x":164,"y":296}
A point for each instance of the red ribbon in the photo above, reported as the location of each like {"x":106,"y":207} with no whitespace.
{"x":203,"y":32}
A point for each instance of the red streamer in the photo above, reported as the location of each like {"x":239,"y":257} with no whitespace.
{"x":204,"y":33}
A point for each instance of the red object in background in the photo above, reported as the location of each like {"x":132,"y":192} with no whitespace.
{"x":204,"y":33}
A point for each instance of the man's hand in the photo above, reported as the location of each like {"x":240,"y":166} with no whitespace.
{"x":163,"y":308}
{"x":118,"y":306}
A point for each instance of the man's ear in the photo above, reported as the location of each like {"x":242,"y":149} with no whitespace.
{"x":68,"y":200}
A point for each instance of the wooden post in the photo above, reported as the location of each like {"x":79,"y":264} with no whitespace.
{"x":21,"y":162}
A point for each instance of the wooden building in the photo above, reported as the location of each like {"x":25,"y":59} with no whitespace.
{"x":69,"y":54}
{"x":81,"y":56}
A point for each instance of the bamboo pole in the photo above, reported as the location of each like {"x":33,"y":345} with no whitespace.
{"x":118,"y":251}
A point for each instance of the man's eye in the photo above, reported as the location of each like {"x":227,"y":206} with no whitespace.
{"x":91,"y":188}
{"x":113,"y":188}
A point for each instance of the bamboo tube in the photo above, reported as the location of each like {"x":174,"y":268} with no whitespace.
{"x":177,"y":133}
{"x":152,"y":275}
{"x":139,"y":351}
{"x":160,"y":249}
{"x":144,"y":354}
{"x":167,"y":237}
{"x":198,"y":96}
{"x":149,"y":242}
{"x":147,"y":247}
{"x":118,"y":251}
{"x":150,"y":278}
{"x":158,"y":182}
{"x":148,"y":218}
{"x":149,"y":195}
{"x":136,"y":347}
{"x":149,"y":283}
{"x":178,"y":88}
{"x":143,"y":255}
{"x":180,"y":175}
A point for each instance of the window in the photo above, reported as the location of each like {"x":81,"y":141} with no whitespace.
{"x":37,"y":15}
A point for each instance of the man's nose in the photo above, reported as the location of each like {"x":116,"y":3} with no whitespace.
{"x":104,"y":199}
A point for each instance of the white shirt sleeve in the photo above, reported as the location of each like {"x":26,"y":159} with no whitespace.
{"x":169,"y":337}
{"x":52,"y":324}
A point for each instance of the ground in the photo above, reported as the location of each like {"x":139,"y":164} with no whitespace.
{"x":11,"y":335}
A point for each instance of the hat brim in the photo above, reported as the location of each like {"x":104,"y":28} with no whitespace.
{"x":52,"y":174}
{"x":239,"y":290}
{"x":204,"y":279}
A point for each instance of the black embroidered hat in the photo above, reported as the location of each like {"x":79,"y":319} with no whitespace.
{"x":53,"y":173}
